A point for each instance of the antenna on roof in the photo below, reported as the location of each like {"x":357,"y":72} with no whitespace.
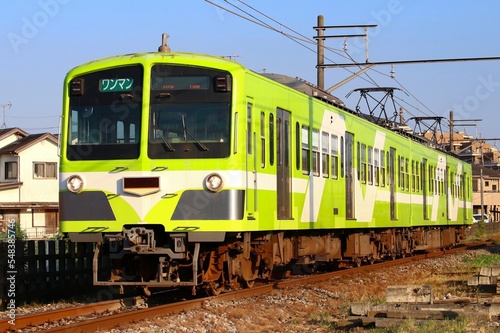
{"x":164,"y":47}
{"x":3,"y":113}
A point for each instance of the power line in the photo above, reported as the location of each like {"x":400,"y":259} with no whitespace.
{"x":302,"y":40}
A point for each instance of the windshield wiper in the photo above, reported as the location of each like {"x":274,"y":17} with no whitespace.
{"x":159,"y":132}
{"x":186,"y":130}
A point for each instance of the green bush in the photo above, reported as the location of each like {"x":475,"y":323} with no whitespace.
{"x":20,"y":234}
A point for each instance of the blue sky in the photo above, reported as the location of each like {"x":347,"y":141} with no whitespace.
{"x":40,"y":40}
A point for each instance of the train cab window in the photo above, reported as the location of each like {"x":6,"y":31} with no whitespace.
{"x":315,"y":153}
{"x":324,"y":154}
{"x":306,"y":153}
{"x":334,"y":152}
{"x":105,"y":114}
{"x":190,"y":113}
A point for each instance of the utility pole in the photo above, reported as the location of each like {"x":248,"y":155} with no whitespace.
{"x":321,"y":53}
{"x":320,"y":37}
{"x":452,"y":128}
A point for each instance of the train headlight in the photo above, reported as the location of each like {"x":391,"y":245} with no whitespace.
{"x":213,"y":182}
{"x":75,"y":184}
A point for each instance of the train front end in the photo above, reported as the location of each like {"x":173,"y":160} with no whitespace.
{"x":148,"y":166}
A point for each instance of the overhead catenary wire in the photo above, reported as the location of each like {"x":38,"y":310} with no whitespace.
{"x":300,"y":39}
{"x":305,"y":41}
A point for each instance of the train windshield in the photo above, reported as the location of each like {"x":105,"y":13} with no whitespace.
{"x":105,"y":114}
{"x":190,"y":112}
{"x":189,"y":130}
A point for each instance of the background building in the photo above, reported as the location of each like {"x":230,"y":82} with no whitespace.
{"x":29,"y":189}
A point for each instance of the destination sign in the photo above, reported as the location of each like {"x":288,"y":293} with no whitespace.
{"x":116,"y":85}
{"x":180,"y":83}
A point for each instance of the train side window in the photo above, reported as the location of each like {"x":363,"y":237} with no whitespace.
{"x":407,"y":174}
{"x":417,"y":176}
{"x":431,"y":180}
{"x":413,"y":177}
{"x":235,"y":135}
{"x":376,"y":167}
{"x":287,"y":143}
{"x":315,"y":153}
{"x":382,"y":168}
{"x":249,"y":128}
{"x":452,"y":184}
{"x":271,"y":139}
{"x":362,"y":162}
{"x":370,"y":165}
{"x":262,"y":140}
{"x":297,"y":146}
{"x":335,"y":156}
{"x":306,"y":155}
{"x":441,"y":181}
{"x":342,"y":157}
{"x":401,"y":162}
{"x":388,"y":177}
{"x":324,"y":154}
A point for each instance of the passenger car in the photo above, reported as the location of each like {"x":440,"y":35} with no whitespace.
{"x":477,"y":217}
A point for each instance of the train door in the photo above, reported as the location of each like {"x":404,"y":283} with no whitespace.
{"x":283,"y":149}
{"x":392,"y":182}
{"x":251,"y":172}
{"x":349,"y":176}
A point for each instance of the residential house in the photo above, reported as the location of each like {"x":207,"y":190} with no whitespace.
{"x":29,"y":185}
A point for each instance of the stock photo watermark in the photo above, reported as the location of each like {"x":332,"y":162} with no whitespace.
{"x":11,"y":271}
{"x":32,"y":25}
{"x":483,"y":91}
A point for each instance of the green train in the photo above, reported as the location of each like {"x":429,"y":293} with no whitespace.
{"x":191,"y":170}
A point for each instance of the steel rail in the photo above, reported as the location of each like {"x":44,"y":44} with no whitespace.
{"x":124,"y":318}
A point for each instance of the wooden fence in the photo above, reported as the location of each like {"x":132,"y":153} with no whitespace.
{"x":43,"y":270}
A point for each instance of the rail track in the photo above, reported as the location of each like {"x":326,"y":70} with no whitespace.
{"x":116,"y":313}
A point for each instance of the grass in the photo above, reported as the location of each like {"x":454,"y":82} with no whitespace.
{"x":482,"y":260}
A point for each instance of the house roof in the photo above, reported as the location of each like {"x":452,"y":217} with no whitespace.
{"x":487,"y":172}
{"x":26,"y":142}
{"x":5,"y":132}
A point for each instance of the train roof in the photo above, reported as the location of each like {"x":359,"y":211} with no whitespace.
{"x":305,"y":87}
{"x":291,"y":82}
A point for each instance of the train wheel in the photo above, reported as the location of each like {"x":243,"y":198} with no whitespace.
{"x":249,"y":271}
{"x":248,"y":284}
{"x":145,"y":291}
{"x":357,"y":262}
{"x":214,"y":288}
